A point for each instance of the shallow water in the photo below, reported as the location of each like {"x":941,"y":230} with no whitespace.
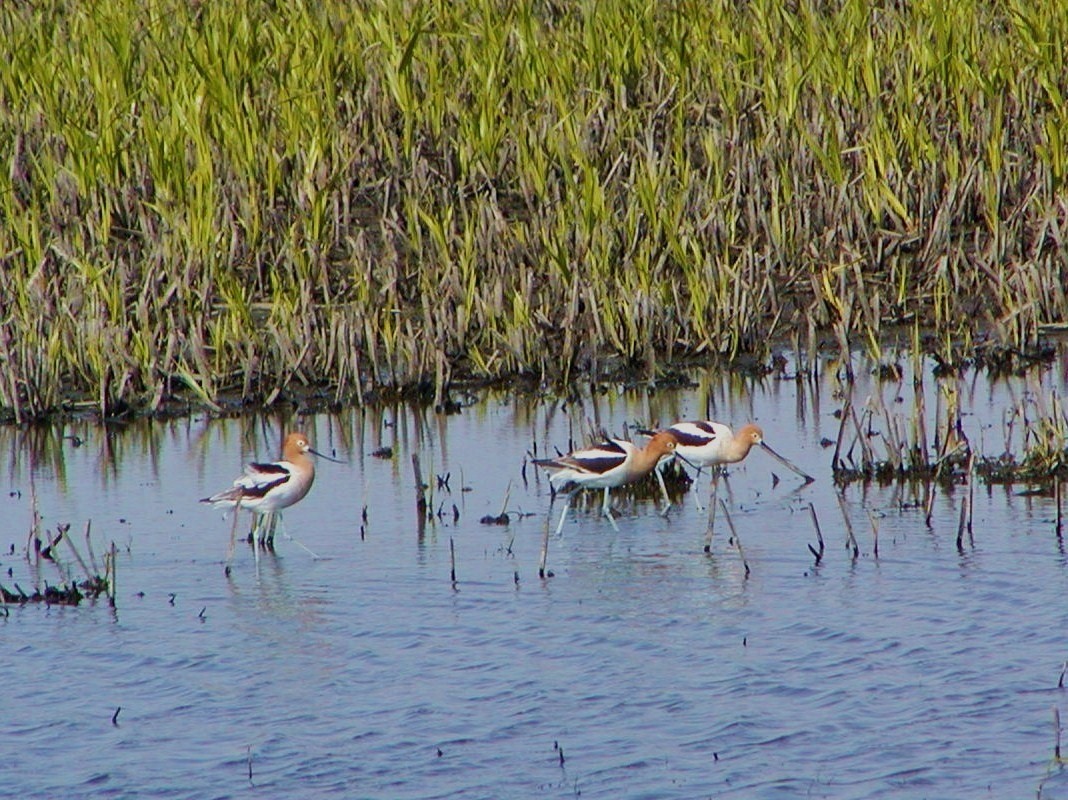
{"x":642,"y":668}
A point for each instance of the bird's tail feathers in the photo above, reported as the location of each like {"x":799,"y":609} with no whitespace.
{"x":225,"y":498}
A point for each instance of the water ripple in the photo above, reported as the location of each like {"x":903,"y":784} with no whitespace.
{"x":645,"y":669}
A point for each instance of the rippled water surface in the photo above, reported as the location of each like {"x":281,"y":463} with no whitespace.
{"x":643,"y":668}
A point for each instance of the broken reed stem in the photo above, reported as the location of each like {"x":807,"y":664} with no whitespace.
{"x":962,"y":522}
{"x":734,"y":538}
{"x":842,"y":335}
{"x":1057,"y":494}
{"x":422,"y":512}
{"x":89,"y":547}
{"x":851,"y":540}
{"x":866,"y":454}
{"x":452,"y":561}
{"x":819,"y":536}
{"x":50,"y":550}
{"x":35,"y":527}
{"x":1064,"y":671}
{"x":835,"y":460}
{"x":1057,"y":733}
{"x":544,"y":549}
{"x":78,"y":556}
{"x":971,"y":494}
{"x":111,"y":581}
{"x":874,"y":534}
{"x":420,"y":487}
{"x":921,"y":422}
{"x":930,"y":503}
{"x":507,"y":494}
{"x":894,"y":451}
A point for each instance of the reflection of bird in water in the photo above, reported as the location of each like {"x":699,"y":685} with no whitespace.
{"x":612,"y":463}
{"x":713,"y":444}
{"x":265,"y":489}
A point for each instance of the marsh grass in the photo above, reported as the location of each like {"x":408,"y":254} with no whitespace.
{"x":899,"y":432}
{"x":209,"y":201}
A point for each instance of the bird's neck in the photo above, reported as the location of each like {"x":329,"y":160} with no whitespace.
{"x":644,"y":461}
{"x":739,"y":450}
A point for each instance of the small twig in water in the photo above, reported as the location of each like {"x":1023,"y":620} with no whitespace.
{"x":819,"y":536}
{"x":112,"y":567}
{"x":452,"y":561}
{"x":1057,"y":734}
{"x":420,"y":489}
{"x":735,"y":539}
{"x":544,"y":551}
{"x":962,"y":523}
{"x":836,"y":462}
{"x":89,"y":547}
{"x":78,"y":556}
{"x":971,"y":495}
{"x":851,"y":540}
{"x":115,"y":717}
{"x":874,"y":534}
{"x":1057,"y":492}
{"x":504,"y":503}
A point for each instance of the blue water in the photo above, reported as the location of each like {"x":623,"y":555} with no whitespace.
{"x":643,"y":668}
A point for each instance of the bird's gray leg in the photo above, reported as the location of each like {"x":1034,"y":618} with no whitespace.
{"x":697,"y":489}
{"x":233,"y":537}
{"x":563,"y":515}
{"x":663,"y":489}
{"x":276,"y":517}
{"x":608,"y":510}
{"x":267,"y":531}
{"x":257,"y":527}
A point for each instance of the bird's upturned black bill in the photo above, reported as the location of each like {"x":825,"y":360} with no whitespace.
{"x":787,"y":463}
{"x":328,"y":458}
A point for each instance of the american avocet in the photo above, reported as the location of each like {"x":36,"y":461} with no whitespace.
{"x":713,"y":444}
{"x":612,"y":463}
{"x":265,"y":489}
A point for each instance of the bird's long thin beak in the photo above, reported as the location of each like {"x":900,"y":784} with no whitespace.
{"x":328,"y":458}
{"x":787,"y":463}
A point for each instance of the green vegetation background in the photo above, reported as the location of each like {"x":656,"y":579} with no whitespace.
{"x":240,"y":198}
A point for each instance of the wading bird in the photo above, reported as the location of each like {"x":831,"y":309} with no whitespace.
{"x":265,"y":489}
{"x":612,"y":463}
{"x":713,"y":444}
